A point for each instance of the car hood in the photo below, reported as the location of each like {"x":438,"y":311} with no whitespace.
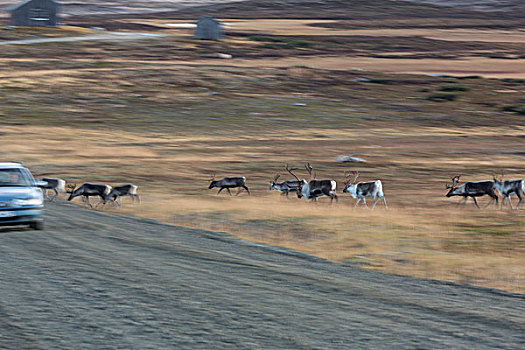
{"x":19,"y":192}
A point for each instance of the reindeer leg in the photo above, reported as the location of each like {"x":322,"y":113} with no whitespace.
{"x":220,"y":189}
{"x":56,"y":194}
{"x":491,"y":200}
{"x":374,"y":203}
{"x":384,"y":201}
{"x":519,"y":196}
{"x":364,"y":203}
{"x":238,"y":191}
{"x":247,"y":190}
{"x":476,"y":202}
{"x":88,"y":202}
{"x":227,"y":189}
{"x":357,"y":202}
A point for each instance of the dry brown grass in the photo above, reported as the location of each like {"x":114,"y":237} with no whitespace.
{"x":423,"y":234}
{"x":130,"y":112}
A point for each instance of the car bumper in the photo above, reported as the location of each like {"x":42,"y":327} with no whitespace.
{"x":11,"y":217}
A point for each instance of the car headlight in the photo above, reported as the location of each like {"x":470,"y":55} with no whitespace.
{"x":30,"y":201}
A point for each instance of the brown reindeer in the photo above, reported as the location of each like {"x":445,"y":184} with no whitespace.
{"x":471,"y":189}
{"x":229,"y":182}
{"x":316,"y":188}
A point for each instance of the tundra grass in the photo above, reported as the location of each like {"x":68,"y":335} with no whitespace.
{"x":167,"y":127}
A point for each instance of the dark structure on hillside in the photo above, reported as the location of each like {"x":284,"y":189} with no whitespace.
{"x":34,"y":13}
{"x":208,"y":29}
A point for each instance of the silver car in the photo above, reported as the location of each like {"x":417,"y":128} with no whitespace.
{"x":21,"y":199}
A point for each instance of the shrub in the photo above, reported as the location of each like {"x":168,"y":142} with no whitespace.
{"x":470,"y":77}
{"x":442,"y":97}
{"x":453,"y":87}
{"x":380,"y":81}
{"x":271,"y":39}
{"x":518,"y":109}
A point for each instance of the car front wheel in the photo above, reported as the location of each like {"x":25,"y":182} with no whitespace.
{"x":37,"y":225}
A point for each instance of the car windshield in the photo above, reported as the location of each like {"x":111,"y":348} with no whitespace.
{"x":14,"y":177}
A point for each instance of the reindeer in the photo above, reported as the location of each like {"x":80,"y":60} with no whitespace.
{"x":508,"y":187}
{"x":229,"y":182}
{"x":285,"y":187}
{"x":316,"y":188}
{"x":122,"y":191}
{"x":361,"y":190}
{"x":471,"y":189}
{"x":89,"y":190}
{"x":54,"y":184}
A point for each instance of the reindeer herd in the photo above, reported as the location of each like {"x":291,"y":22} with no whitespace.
{"x":314,"y":188}
{"x":309,"y":189}
{"x":106,"y":193}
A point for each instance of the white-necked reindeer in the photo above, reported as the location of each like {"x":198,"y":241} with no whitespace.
{"x":472,"y":190}
{"x":508,"y":187}
{"x":53,"y":184}
{"x":285,"y":187}
{"x":123,"y":191}
{"x":89,"y":190}
{"x":361,"y":190}
{"x":229,"y":182}
{"x":316,"y":188}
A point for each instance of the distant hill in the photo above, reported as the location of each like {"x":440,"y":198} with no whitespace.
{"x":479,"y":5}
{"x":328,"y":9}
{"x":102,"y":7}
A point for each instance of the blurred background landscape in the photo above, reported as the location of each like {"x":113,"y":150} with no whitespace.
{"x":419,"y":91}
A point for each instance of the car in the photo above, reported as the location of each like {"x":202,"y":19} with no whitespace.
{"x":21,"y":199}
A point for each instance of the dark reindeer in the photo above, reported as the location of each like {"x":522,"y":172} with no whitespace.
{"x":89,"y":190}
{"x":123,"y":191}
{"x":53,"y":184}
{"x":229,"y":182}
{"x":472,"y":190}
{"x":361,"y":190}
{"x":316,"y":188}
{"x":508,"y":187}
{"x":285,"y":187}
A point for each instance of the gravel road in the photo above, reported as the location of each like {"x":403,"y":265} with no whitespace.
{"x":97,"y":281}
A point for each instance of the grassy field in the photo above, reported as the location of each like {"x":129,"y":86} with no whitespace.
{"x":132,"y":112}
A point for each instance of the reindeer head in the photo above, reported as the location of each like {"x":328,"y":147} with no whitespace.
{"x":70,"y":188}
{"x":213,"y":183}
{"x":272,"y":183}
{"x":496,"y":180}
{"x":453,"y":188}
{"x":351,"y":185}
{"x":301,"y":182}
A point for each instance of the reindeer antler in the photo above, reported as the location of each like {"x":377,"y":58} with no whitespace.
{"x":348,"y":175}
{"x":455,"y":181}
{"x":71,"y":187}
{"x":212,"y":176}
{"x":290,"y":170}
{"x":309,"y":169}
{"x":277,"y":176}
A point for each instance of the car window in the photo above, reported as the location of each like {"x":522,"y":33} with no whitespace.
{"x":14,"y":177}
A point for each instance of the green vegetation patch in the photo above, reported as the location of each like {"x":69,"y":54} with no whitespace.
{"x":453,"y":87}
{"x":442,"y":97}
